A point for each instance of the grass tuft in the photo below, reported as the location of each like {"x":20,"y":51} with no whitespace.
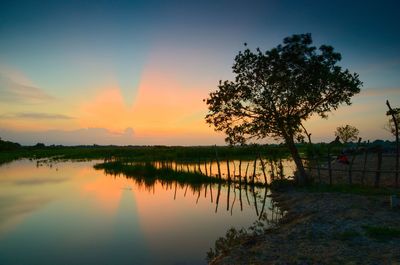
{"x":348,"y":235}
{"x":381,"y":232}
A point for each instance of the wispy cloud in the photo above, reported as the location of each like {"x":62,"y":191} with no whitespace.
{"x":14,"y":92}
{"x":103,"y":136}
{"x":35,"y":116}
{"x":373,"y":92}
{"x":72,"y":137}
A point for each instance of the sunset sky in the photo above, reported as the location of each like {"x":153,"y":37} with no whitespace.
{"x":136,"y":72}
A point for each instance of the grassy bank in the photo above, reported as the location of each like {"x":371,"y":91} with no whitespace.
{"x":149,"y":172}
{"x":146,"y":153}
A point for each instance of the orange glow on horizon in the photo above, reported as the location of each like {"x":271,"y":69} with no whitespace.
{"x":161,"y":107}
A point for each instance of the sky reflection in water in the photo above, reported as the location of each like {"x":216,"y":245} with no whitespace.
{"x":72,"y":214}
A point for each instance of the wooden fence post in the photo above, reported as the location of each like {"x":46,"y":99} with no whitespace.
{"x":352,"y":161}
{"x":318,"y":168}
{"x":378,"y":168}
{"x":329,"y":166}
{"x":364,"y":166}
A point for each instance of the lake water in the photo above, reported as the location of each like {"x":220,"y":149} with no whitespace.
{"x":70,"y":213}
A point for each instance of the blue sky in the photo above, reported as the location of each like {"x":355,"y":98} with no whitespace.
{"x":60,"y":58}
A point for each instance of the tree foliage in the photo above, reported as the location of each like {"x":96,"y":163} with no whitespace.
{"x":276,"y":90}
{"x":347,"y":133}
{"x":8,"y":146}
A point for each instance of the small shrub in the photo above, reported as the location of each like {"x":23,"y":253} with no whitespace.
{"x":348,"y":235}
{"x":382,"y":232}
{"x":232,"y":238}
{"x":281,"y":184}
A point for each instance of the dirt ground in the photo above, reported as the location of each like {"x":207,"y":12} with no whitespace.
{"x":324,"y":228}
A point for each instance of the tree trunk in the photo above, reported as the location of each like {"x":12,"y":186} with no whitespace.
{"x":396,"y":126}
{"x":301,"y":176}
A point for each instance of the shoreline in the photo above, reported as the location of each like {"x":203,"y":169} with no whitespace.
{"x":324,"y":228}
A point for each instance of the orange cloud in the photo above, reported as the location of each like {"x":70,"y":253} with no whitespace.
{"x":162,"y":106}
{"x":105,"y":111}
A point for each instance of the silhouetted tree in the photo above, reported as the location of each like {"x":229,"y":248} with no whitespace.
{"x":347,"y":133}
{"x":8,"y":146}
{"x":394,"y":129}
{"x":394,"y":120}
{"x":275,"y":91}
{"x":39,"y":145}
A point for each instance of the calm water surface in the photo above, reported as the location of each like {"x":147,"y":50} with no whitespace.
{"x":70,"y":213}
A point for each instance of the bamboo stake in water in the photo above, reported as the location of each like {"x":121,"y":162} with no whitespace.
{"x":240,"y":193}
{"x":271,"y":163}
{"x":199,"y":167}
{"x":255,"y":201}
{"x":218,"y":194}
{"x":211,"y":168}
{"x":264,"y":200}
{"x":211,"y":193}
{"x":281,"y":171}
{"x":234,"y":170}
{"x":263,"y":169}
{"x":245,"y":176}
{"x":234,"y":200}
{"x":229,"y":191}
{"x":198,"y":197}
{"x":254,"y":171}
{"x":240,"y":167}
{"x":247,"y":195}
{"x":229,"y":172}
{"x":216,"y":156}
{"x":187,"y":186}
{"x":176,"y":184}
